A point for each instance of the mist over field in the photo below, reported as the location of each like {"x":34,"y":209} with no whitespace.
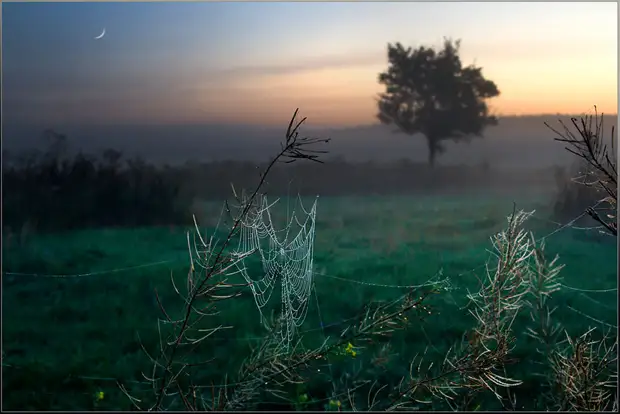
{"x":516,"y":143}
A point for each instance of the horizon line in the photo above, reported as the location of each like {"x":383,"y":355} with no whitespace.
{"x":7,"y":122}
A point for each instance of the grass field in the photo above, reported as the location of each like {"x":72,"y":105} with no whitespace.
{"x":67,"y":338}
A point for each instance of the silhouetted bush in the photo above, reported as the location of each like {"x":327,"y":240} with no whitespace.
{"x":52,"y":191}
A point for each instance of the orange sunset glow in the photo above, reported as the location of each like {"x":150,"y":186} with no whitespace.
{"x":240,"y":62}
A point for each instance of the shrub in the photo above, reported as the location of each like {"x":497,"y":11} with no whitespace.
{"x":51,"y":191}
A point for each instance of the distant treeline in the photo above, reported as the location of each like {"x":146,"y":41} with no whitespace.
{"x":51,"y":190}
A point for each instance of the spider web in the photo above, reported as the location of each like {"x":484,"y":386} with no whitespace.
{"x":284,"y":258}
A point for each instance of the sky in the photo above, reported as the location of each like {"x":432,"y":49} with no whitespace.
{"x":254,"y":63}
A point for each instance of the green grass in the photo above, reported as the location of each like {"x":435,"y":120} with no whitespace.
{"x":65,"y":339}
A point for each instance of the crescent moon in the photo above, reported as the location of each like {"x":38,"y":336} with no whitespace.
{"x":101,"y":35}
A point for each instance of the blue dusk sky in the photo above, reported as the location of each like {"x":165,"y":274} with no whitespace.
{"x":238,"y":62}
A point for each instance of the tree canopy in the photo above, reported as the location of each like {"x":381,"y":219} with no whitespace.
{"x":430,"y":92}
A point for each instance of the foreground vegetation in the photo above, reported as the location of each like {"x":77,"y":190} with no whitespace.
{"x":65,"y":339}
{"x":385,"y":329}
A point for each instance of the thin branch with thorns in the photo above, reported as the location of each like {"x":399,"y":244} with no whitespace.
{"x":588,"y":144}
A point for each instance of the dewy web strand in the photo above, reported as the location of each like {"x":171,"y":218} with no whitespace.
{"x":290,"y":262}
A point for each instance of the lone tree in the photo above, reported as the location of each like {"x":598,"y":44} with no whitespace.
{"x":430,"y":92}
